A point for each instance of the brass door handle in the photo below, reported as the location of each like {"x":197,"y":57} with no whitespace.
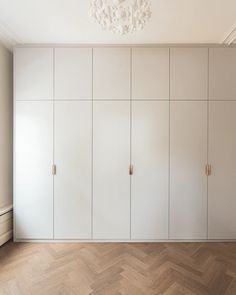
{"x":54,"y":169}
{"x":208,"y":170}
{"x":131,"y":170}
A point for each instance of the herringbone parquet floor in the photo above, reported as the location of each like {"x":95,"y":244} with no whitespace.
{"x":128,"y":269}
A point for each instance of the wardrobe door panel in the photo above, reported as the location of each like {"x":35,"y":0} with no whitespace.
{"x":73,"y":73}
{"x":111,"y":73}
{"x":34,"y":73}
{"x":150,"y":157}
{"x":188,"y":182}
{"x":111,"y":181}
{"x":222,"y":182}
{"x":33,"y":199}
{"x":222,"y":74}
{"x":73,"y":181}
{"x":150,"y":73}
{"x":188,"y":73}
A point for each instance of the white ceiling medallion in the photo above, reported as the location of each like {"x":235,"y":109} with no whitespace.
{"x":121,"y":16}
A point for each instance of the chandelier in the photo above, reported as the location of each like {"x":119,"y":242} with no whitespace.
{"x":121,"y":16}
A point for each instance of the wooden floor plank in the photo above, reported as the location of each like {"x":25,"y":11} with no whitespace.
{"x":118,"y":268}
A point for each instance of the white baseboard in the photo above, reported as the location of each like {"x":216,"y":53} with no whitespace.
{"x":121,"y":241}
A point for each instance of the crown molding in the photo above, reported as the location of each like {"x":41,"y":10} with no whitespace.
{"x":230,"y":37}
{"x":8,"y":38}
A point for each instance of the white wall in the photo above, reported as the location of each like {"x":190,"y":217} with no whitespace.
{"x":6,"y":110}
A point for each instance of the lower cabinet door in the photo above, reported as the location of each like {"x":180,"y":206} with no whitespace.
{"x":33,"y":196}
{"x":222,"y":182}
{"x":111,"y":180}
{"x":73,"y":180}
{"x":150,"y":180}
{"x":188,"y":182}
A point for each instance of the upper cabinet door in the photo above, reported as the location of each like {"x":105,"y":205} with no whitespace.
{"x":222,"y":73}
{"x":222,"y":182}
{"x":111,"y":180}
{"x":188,"y":73}
{"x":150,"y":180}
{"x":33,"y":200}
{"x":73,"y":181}
{"x":188,"y":182}
{"x":150,"y":73}
{"x":73,"y":73}
{"x":111,"y":73}
{"x":34,"y":73}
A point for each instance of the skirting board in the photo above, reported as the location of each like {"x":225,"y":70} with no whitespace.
{"x":122,"y":241}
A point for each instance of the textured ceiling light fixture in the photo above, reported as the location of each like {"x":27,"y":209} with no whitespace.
{"x":121,"y":16}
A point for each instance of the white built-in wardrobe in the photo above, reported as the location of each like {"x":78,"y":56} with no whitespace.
{"x":120,"y":143}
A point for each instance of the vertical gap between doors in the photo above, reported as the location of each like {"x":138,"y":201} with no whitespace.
{"x":92,"y":158}
{"x":131,"y":93}
{"x":53,"y":130}
{"x":208,"y":69}
{"x":169,"y":158}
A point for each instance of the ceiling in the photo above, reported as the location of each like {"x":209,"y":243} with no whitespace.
{"x":68,"y":21}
